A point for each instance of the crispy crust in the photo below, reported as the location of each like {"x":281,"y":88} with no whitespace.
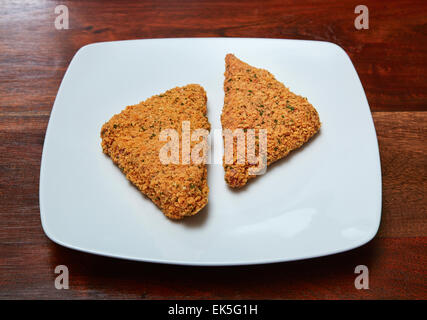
{"x":254,"y":99}
{"x":131,"y":139}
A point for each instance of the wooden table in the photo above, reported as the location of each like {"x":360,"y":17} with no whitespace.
{"x":390,"y":58}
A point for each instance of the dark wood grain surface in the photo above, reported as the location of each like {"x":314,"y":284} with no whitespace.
{"x":390,"y":58}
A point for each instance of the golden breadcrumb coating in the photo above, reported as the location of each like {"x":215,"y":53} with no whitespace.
{"x":254,"y":99}
{"x":131,"y":139}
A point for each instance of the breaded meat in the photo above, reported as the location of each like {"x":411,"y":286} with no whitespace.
{"x":131,"y":139}
{"x":254,"y":99}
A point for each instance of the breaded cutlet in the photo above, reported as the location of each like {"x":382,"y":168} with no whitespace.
{"x":131,"y":139}
{"x":254,"y":99}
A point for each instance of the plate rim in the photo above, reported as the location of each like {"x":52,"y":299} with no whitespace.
{"x":207,"y":263}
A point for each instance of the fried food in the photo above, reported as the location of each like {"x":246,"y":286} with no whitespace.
{"x":131,"y":139}
{"x":254,"y":99}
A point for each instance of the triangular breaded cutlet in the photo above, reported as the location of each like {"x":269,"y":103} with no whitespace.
{"x":131,"y":139}
{"x":254,"y":99}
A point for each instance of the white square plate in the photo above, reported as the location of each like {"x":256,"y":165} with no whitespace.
{"x":323,"y":199}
